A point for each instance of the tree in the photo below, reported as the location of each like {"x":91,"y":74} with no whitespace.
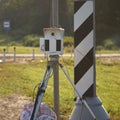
{"x":31,"y":16}
{"x":107,"y":19}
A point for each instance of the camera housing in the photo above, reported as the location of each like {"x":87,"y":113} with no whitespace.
{"x":52,"y":43}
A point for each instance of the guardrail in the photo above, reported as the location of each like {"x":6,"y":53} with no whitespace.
{"x":15,"y":57}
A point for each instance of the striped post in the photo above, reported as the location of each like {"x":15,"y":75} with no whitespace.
{"x":33,"y":54}
{"x":4,"y":55}
{"x":14,"y":54}
{"x":84,"y":63}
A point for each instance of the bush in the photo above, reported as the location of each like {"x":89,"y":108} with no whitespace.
{"x":109,"y":44}
{"x":31,"y":40}
{"x":6,"y":39}
{"x":68,"y":41}
{"x":99,"y":47}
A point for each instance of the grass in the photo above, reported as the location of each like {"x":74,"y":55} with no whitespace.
{"x":19,"y":78}
{"x":29,"y":50}
{"x":108,"y":86}
{"x":20,"y":49}
{"x":107,"y":51}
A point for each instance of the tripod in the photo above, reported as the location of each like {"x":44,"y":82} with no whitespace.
{"x":43,"y":86}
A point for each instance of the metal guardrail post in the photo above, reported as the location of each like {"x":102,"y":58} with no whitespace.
{"x":33,"y":55}
{"x":14,"y":54}
{"x":4,"y":55}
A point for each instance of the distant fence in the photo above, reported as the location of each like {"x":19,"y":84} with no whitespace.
{"x":13,"y":57}
{"x":6,"y":56}
{"x":23,"y":57}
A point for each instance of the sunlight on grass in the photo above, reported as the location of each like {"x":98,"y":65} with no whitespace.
{"x":18,"y":78}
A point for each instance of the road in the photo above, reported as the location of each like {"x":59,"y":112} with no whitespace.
{"x":37,"y":56}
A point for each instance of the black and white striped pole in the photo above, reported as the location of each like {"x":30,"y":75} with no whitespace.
{"x":84,"y":63}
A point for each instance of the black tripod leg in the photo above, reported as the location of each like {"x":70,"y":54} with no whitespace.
{"x":40,"y":93}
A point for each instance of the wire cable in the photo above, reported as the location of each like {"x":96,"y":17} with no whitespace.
{"x":35,"y":89}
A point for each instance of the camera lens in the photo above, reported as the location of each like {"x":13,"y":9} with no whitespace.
{"x":52,"y":34}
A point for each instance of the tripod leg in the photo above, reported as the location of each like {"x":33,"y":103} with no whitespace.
{"x":40,"y":93}
{"x":83,"y":101}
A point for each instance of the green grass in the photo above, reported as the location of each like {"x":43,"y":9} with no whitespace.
{"x":20,"y":49}
{"x":108,"y":86}
{"x":21,"y":78}
{"x":107,"y":51}
{"x":29,"y":50}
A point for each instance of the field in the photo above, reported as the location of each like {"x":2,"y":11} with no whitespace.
{"x":19,"y":79}
{"x":29,"y":50}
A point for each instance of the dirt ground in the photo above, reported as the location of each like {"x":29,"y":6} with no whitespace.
{"x":11,"y":107}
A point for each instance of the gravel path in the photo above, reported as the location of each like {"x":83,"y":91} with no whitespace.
{"x":11,"y":107}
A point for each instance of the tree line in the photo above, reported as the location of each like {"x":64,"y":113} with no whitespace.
{"x":31,"y":16}
{"x":108,"y":22}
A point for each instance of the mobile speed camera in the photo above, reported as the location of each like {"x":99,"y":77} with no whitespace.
{"x":52,"y":43}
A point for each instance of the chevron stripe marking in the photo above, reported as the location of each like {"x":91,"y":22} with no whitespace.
{"x":83,"y":66}
{"x":77,"y":5}
{"x":86,"y":81}
{"x":82,"y":14}
{"x":83,"y":30}
{"x":81,"y":50}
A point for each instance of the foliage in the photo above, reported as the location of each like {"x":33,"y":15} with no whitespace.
{"x":107,"y":20}
{"x":109,"y":44}
{"x":31,"y":40}
{"x":68,"y":40}
{"x":31,"y":16}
